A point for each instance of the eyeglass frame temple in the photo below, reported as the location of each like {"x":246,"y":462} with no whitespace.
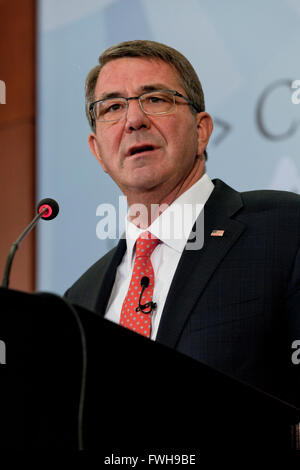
{"x":176,"y":93}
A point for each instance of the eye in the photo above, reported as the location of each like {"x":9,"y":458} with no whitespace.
{"x":156,"y":99}
{"x":113,"y":107}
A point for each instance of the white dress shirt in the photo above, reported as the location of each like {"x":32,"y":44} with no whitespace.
{"x":165,"y":258}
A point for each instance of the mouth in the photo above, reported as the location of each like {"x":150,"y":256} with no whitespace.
{"x":139,"y":149}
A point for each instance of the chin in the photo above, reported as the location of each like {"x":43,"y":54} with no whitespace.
{"x":141,"y":185}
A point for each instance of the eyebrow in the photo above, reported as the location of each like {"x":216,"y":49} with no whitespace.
{"x":143,"y":89}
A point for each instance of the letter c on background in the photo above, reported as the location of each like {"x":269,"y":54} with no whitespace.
{"x":259,"y":112}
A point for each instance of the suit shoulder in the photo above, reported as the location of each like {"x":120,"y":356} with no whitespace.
{"x":256,"y":201}
{"x":269,"y":200}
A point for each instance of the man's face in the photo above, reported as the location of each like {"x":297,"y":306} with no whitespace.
{"x":175,"y":138}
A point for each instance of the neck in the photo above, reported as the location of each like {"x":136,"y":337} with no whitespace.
{"x":145,"y":207}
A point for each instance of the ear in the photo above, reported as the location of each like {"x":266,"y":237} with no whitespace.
{"x":94,"y":147}
{"x":204,"y":129}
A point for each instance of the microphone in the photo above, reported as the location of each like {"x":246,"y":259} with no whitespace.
{"x":47,"y":209}
{"x":152,"y":305}
{"x":145,"y":282}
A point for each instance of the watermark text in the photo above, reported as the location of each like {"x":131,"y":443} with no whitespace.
{"x":174,"y":222}
{"x":2,"y":352}
{"x":2,"y":92}
{"x":296,"y":354}
{"x":296,"y":94}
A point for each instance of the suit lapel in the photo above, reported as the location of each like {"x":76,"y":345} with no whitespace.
{"x":196,"y":267}
{"x":109,"y":277}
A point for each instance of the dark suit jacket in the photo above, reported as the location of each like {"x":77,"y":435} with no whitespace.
{"x":234,"y":304}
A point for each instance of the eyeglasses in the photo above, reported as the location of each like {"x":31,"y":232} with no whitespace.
{"x":155,"y":103}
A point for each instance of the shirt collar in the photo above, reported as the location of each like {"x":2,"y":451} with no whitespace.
{"x":174,"y":225}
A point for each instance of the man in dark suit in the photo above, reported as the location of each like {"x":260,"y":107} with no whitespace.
{"x":232,"y":303}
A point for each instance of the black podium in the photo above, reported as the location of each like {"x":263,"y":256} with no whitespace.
{"x":70,"y":378}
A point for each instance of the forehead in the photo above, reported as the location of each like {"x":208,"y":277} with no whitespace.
{"x":130,"y":74}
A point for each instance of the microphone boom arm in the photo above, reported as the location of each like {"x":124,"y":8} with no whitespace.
{"x":15,"y":246}
{"x":47,"y":209}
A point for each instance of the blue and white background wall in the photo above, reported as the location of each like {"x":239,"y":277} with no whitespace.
{"x":247,"y":57}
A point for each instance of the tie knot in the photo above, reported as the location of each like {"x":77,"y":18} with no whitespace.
{"x":145,"y":244}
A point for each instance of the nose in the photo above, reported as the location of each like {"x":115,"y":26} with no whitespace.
{"x":135,"y":117}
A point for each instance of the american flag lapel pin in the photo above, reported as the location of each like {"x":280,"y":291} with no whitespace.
{"x":217,"y":233}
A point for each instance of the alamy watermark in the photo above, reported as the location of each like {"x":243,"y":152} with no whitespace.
{"x":2,"y":92}
{"x":179,"y":221}
{"x":296,"y":354}
{"x":2,"y":352}
{"x":296,"y":94}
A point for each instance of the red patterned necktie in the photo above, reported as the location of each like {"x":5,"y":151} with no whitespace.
{"x":130,"y":318}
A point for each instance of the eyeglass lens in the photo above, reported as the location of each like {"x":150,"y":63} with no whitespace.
{"x":113,"y":109}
